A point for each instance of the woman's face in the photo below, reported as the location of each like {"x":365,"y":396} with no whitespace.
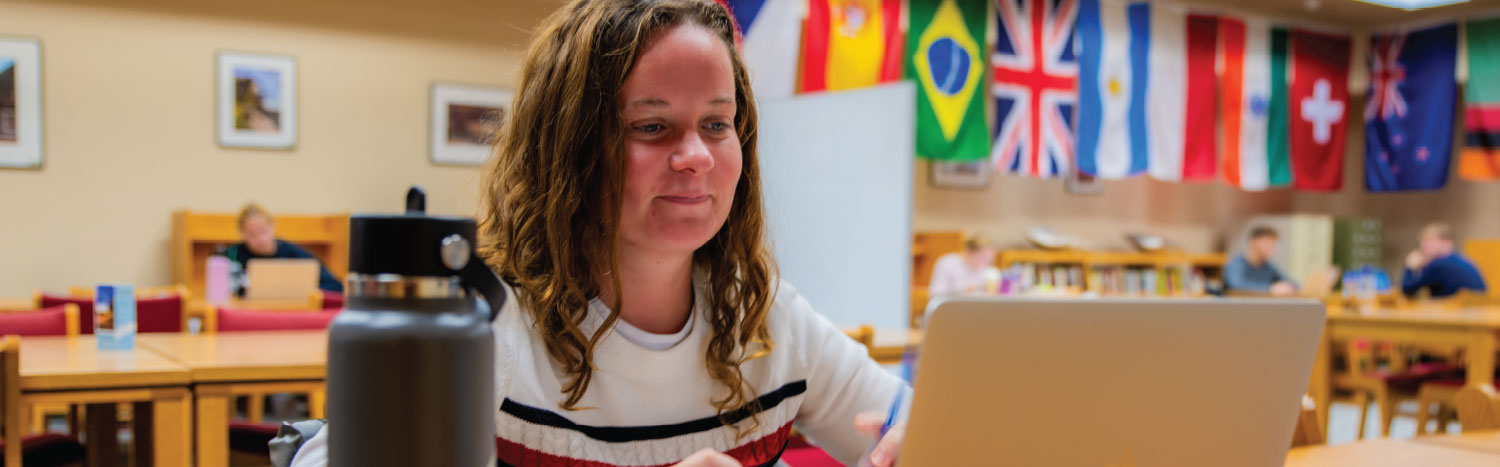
{"x":682,"y":151}
{"x":260,"y":235}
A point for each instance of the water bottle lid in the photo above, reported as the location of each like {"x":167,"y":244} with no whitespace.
{"x":410,"y":244}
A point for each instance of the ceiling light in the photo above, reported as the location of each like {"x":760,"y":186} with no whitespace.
{"x":1410,"y":5}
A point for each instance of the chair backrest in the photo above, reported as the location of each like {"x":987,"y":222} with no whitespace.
{"x":1478,"y":408}
{"x":85,"y":308}
{"x":59,"y":320}
{"x":864,"y":335}
{"x":157,"y":309}
{"x":1485,"y":253}
{"x":216,"y":319}
{"x":332,"y":300}
{"x":10,"y":397}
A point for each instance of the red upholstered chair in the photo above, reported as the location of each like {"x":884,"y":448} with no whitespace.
{"x":44,"y":449}
{"x":157,"y":309}
{"x":332,"y":300}
{"x":61,"y":320}
{"x":249,"y":439}
{"x":217,"y":319}
{"x":85,"y":308}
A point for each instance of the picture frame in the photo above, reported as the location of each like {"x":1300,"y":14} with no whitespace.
{"x":465,"y":121}
{"x":257,"y":100}
{"x":972,"y":175}
{"x":1079,"y":183}
{"x":21,"y":103}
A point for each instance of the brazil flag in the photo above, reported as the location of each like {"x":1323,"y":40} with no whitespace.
{"x":946,"y":55}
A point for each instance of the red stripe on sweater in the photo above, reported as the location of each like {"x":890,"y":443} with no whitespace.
{"x":757,"y":452}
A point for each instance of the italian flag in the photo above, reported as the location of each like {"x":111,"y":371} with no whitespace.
{"x":1253,"y":103}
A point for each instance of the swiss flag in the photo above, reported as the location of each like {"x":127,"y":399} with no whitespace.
{"x":1319,"y":107}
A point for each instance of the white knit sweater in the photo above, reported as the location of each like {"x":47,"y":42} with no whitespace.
{"x":652,"y":407}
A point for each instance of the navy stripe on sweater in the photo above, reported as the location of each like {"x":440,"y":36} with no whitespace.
{"x":625,"y":434}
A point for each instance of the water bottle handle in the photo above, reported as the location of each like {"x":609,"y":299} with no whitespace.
{"x":477,"y":276}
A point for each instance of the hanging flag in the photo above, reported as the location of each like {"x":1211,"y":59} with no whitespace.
{"x":771,"y":31}
{"x":1409,"y":109}
{"x":1253,"y":100}
{"x":1480,"y":160}
{"x":1035,"y":86}
{"x":851,"y":44}
{"x":1319,"y":104}
{"x":946,"y":56}
{"x":1181,"y":95}
{"x":1113,"y":75}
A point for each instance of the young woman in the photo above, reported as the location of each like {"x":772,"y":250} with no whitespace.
{"x":623,"y":208}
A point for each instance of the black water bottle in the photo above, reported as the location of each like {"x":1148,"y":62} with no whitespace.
{"x":411,"y":371}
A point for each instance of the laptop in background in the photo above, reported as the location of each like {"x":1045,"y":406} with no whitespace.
{"x":281,"y":278}
{"x":1119,"y":383}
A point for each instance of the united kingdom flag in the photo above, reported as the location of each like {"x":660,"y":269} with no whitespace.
{"x":1035,"y":86}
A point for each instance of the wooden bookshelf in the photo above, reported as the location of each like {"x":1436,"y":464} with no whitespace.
{"x":1147,"y":274}
{"x":195,"y":236}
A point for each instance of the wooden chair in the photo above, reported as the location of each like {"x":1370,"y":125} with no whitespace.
{"x":864,"y":335}
{"x":1386,"y":386}
{"x":158,"y":309}
{"x":218,"y":320}
{"x":46,"y":322}
{"x":1478,"y":408}
{"x":51,"y":449}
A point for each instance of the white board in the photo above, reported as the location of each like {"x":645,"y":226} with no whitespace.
{"x":837,"y":177}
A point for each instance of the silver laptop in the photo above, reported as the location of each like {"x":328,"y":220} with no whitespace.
{"x":281,"y":278}
{"x":1111,"y":383}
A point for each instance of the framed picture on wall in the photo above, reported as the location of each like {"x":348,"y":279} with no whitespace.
{"x":20,"y":103}
{"x":465,"y":121}
{"x":1079,"y":183}
{"x":973,"y":175}
{"x":257,"y":101}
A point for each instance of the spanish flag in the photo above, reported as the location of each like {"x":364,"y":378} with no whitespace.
{"x":851,"y":44}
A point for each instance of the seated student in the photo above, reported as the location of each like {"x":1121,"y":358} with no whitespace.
{"x":1435,"y":267}
{"x":1252,"y":270}
{"x":623,"y":209}
{"x":259,"y":231}
{"x":963,"y":272}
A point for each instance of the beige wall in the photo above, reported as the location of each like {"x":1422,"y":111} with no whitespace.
{"x":128,"y":96}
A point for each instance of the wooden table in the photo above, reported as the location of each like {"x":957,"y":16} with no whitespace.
{"x":71,"y":370}
{"x":1388,"y":452}
{"x":1477,"y":330}
{"x":223,"y":365}
{"x":1484,"y":441}
{"x":891,"y":344}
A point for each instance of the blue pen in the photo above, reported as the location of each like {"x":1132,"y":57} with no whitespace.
{"x":895,"y":409}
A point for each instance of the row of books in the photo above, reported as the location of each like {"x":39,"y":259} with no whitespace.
{"x":1030,"y":278}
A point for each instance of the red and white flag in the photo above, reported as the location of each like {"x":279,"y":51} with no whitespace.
{"x":1319,"y":109}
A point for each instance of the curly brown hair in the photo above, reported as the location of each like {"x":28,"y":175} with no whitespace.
{"x":555,"y":184}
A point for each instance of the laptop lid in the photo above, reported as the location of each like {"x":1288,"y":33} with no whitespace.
{"x":1103,"y":382}
{"x":281,"y":278}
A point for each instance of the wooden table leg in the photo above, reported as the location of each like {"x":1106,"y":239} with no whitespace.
{"x":1481,"y":354}
{"x":103,"y":439}
{"x":213,"y":425}
{"x":142,"y":435}
{"x":1321,"y":386}
{"x":172,"y":420}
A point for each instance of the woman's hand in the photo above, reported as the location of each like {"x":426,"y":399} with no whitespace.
{"x":889,"y":446}
{"x":708,"y":458}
